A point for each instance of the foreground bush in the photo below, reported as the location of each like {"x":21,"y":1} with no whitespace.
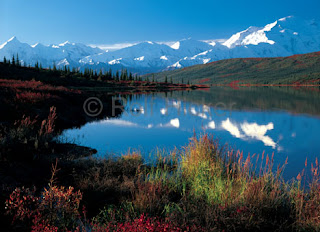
{"x":21,"y":141}
{"x":55,"y":208}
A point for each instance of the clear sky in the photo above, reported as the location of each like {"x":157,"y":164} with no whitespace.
{"x":120,"y":21}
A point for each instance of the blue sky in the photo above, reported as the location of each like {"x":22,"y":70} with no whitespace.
{"x":120,"y":21}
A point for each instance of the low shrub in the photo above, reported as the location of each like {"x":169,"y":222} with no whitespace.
{"x":55,"y":208}
{"x":27,"y":136}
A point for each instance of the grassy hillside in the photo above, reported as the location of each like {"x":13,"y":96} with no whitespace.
{"x":298,"y":69}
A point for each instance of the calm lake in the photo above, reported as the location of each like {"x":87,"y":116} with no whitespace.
{"x":279,"y":120}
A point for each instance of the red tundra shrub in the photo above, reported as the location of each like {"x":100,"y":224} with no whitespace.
{"x":143,"y":224}
{"x":33,"y":97}
{"x":34,"y":85}
{"x":56,"y":207}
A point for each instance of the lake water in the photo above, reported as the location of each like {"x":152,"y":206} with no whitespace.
{"x":283,"y":121}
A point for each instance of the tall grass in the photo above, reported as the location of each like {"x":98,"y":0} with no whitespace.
{"x":218,"y":188}
{"x":203,"y":187}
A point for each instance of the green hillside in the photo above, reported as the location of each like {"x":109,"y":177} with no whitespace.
{"x":298,"y":69}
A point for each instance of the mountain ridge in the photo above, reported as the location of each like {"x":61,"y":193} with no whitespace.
{"x":283,"y":37}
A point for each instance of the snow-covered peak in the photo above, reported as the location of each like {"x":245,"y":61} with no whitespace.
{"x":175,"y":65}
{"x":66,"y":43}
{"x":212,"y":43}
{"x":189,"y":43}
{"x":63,"y":54}
{"x":13,"y":39}
{"x":285,"y":18}
{"x":141,"y":58}
{"x":176,"y":45}
{"x":35,"y":45}
{"x":237,"y":38}
{"x":163,"y":58}
{"x":269,"y":27}
{"x":116,"y":61}
{"x":252,"y":35}
{"x":259,"y":36}
{"x":190,"y":47}
{"x":38,"y":45}
{"x":63,"y":62}
{"x":148,"y":43}
{"x":285,"y":32}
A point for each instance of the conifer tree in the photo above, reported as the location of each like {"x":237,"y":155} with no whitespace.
{"x":121,"y":75}
{"x":17,"y":60}
{"x":153,"y":78}
{"x":13,"y":60}
{"x":37,"y":65}
{"x":166,"y":80}
{"x":125,"y":75}
{"x":4,"y":60}
{"x":91,"y":74}
{"x":171,"y":80}
{"x":109,"y":74}
{"x":123,"y":78}
{"x":100,"y":75}
{"x":117,"y":75}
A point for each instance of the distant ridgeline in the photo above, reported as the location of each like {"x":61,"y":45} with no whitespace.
{"x":293,"y":70}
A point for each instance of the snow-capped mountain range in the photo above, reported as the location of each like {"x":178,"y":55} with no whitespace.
{"x":284,"y":37}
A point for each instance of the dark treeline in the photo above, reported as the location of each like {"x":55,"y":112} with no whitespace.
{"x":87,"y":73}
{"x":67,"y":76}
